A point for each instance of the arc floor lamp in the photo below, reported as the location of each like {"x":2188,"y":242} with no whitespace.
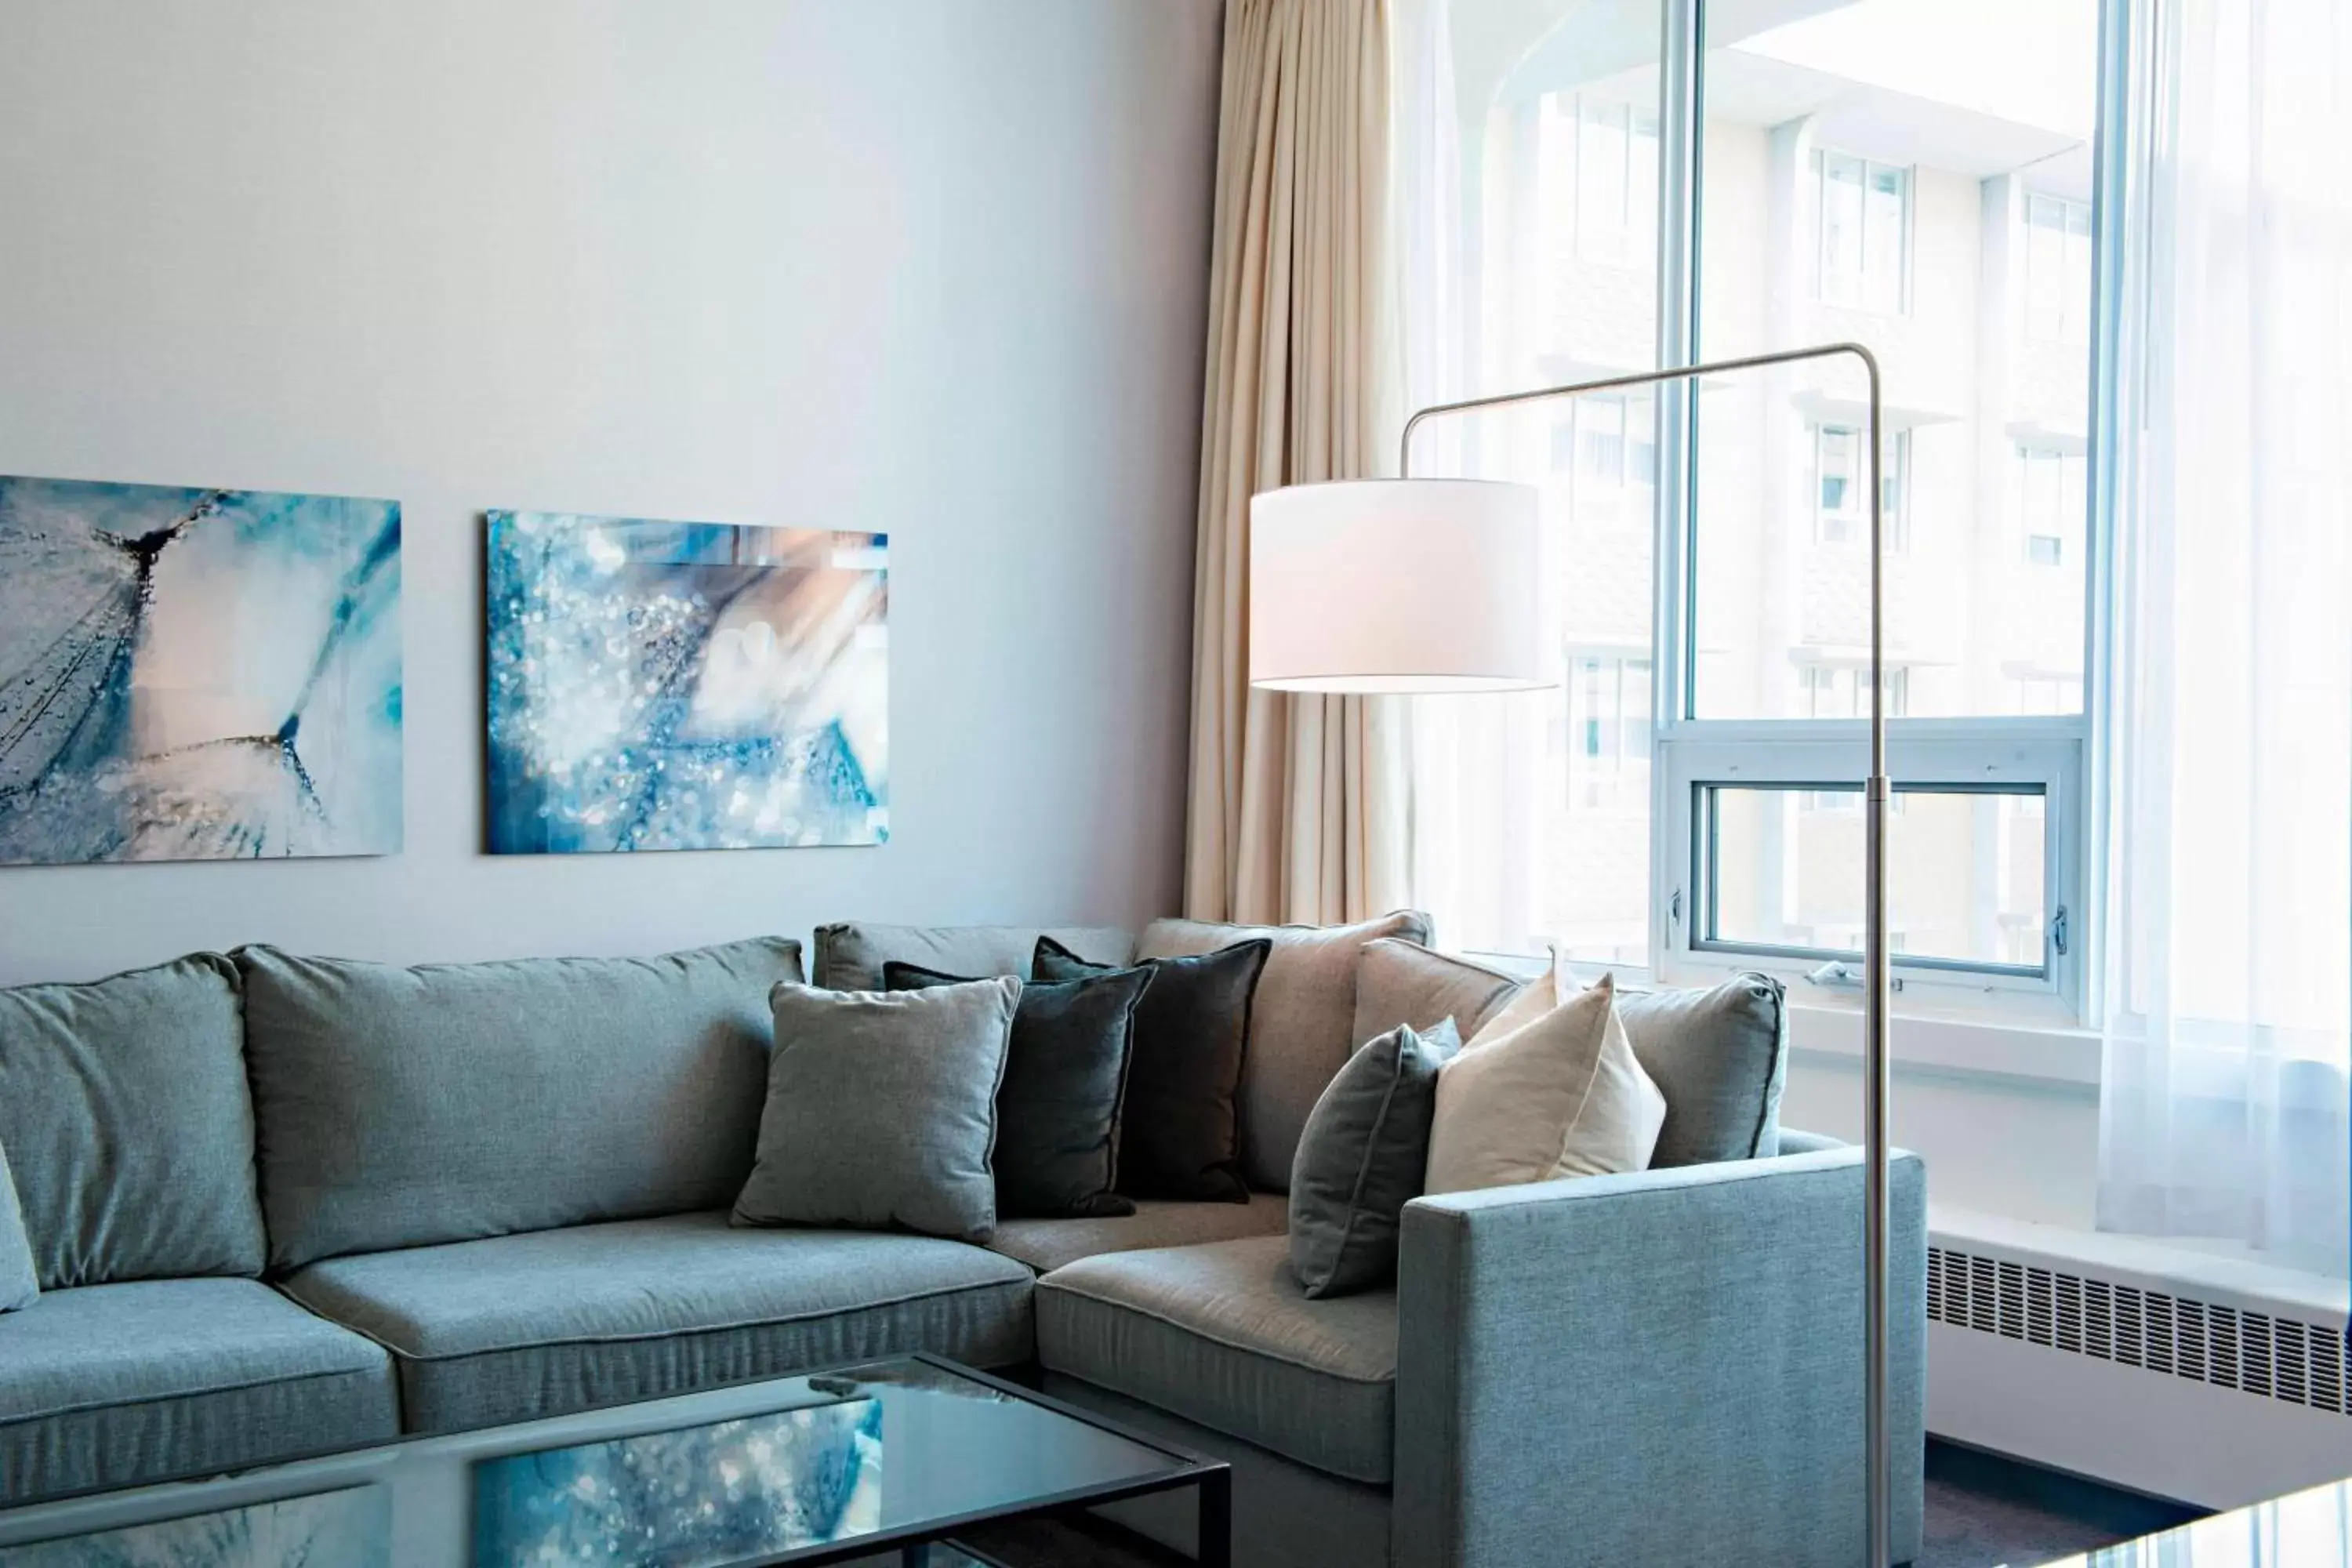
{"x":1423,"y":586}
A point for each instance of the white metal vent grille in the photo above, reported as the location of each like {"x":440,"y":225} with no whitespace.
{"x":2276,"y":1358}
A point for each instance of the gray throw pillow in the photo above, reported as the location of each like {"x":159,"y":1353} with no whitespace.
{"x":1057,"y":1107}
{"x":1720,"y":1058}
{"x":882,"y":1109}
{"x":18,"y":1283}
{"x":1362,"y":1159}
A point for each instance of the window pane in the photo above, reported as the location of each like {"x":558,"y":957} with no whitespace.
{"x":1964,"y":872}
{"x":1884,"y":222}
{"x":1601,"y":446}
{"x":1601,"y":167}
{"x":1837,"y":469}
{"x":1841,"y":221}
{"x":1890,"y":147}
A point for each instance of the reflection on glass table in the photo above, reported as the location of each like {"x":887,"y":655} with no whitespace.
{"x":2306,"y":1530}
{"x":891,"y":1459}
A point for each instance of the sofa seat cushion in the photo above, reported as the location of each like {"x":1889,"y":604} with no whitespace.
{"x":119,"y":1385}
{"x":1046,"y":1245}
{"x":516,"y":1326}
{"x":1223,"y":1334}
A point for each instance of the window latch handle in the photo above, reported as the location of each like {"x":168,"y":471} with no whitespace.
{"x":2058,"y":930}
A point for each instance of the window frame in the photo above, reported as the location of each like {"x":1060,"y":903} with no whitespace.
{"x":1939,"y":755}
{"x":2068,"y":751}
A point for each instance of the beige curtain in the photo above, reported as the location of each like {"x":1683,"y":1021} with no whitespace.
{"x":1297,"y":803}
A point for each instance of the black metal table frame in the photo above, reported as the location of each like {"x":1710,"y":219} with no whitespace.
{"x":1212,"y":1476}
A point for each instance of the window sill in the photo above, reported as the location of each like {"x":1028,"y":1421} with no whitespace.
{"x":2024,"y":1041}
{"x":2006,"y":1049}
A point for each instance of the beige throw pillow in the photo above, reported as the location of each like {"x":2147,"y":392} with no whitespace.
{"x":1530,"y":1002}
{"x":1561,"y":1095}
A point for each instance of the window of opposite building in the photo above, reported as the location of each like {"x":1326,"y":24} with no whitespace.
{"x":2057,"y":269}
{"x":1842,"y":487}
{"x":1863,"y":215}
{"x":1616,"y":180}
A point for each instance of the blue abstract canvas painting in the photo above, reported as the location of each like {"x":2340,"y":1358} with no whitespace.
{"x":684,"y":684}
{"x":196,"y":674}
{"x":732,"y":1491}
{"x":351,"y":1529}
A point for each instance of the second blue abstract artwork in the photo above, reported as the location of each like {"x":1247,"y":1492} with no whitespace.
{"x":685,"y":686}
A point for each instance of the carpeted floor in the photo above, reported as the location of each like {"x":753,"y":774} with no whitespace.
{"x":1983,"y":1512}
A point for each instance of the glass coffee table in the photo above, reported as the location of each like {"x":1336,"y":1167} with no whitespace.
{"x":889,"y":1461}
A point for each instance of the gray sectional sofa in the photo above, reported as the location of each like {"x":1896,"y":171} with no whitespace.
{"x":281,"y":1205}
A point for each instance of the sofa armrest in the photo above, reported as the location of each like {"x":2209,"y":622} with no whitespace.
{"x":1795,"y":1143}
{"x":1659,"y":1368}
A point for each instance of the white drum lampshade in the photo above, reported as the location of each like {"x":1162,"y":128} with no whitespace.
{"x":1395,"y":586}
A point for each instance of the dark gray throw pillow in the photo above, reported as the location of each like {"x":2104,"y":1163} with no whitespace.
{"x":1361,"y":1159}
{"x":1057,"y":1108}
{"x":882,"y":1109}
{"x":1720,"y":1058}
{"x":1179,"y":1132}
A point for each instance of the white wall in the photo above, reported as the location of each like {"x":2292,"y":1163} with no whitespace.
{"x":1993,"y":1144}
{"x":928,"y":267}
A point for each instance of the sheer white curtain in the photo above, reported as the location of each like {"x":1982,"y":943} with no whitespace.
{"x":2224,"y":1107}
{"x":1477,"y":764}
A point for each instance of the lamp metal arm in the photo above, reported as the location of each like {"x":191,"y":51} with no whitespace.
{"x":1877,"y":1520}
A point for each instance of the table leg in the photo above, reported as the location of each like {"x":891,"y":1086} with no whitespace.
{"x":1216,"y":1547}
{"x":918,"y":1555}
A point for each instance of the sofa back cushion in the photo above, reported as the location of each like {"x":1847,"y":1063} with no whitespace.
{"x":1720,"y":1057}
{"x":403,"y":1107}
{"x":129,"y":1130}
{"x":849,"y":956}
{"x":20,"y":1283}
{"x":1404,"y":983}
{"x":1302,"y":1021}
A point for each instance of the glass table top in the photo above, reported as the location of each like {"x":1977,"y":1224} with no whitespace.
{"x":900,"y":1445}
{"x":2304,"y":1529}
{"x":782,"y":1471}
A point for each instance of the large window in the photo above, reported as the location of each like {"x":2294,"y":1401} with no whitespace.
{"x":1918,"y":178}
{"x":1901,"y":139}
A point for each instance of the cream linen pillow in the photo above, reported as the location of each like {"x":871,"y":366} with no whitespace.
{"x":1561,"y":1095}
{"x":1532,"y":1001}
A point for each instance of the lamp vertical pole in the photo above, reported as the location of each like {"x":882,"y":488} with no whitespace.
{"x":1878,"y":1511}
{"x":1875,"y":997}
